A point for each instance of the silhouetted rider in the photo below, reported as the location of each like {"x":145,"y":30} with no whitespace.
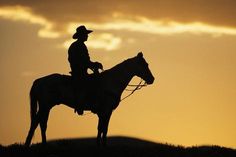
{"x":79,"y":59}
{"x":78,"y":55}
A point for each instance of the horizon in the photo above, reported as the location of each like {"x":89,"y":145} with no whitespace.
{"x":120,"y":146}
{"x":189,"y":46}
{"x":121,"y":139}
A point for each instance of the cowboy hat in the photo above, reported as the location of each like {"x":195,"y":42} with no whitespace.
{"x":81,"y":30}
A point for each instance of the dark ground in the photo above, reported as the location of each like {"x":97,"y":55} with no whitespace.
{"x":117,"y":147}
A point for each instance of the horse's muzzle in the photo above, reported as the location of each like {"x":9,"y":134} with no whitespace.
{"x":150,"y":81}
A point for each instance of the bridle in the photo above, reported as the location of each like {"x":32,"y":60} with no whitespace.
{"x":141,"y":84}
{"x":137,"y":87}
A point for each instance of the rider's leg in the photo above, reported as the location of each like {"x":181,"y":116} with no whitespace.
{"x":79,"y":90}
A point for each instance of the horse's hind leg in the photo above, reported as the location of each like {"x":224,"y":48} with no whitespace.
{"x":33,"y":126}
{"x":43,"y":124}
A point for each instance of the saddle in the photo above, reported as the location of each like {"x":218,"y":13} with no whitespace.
{"x":85,"y":92}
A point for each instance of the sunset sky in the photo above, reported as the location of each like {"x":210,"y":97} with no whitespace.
{"x":190,"y":46}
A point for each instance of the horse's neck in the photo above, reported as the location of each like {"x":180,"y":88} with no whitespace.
{"x":122,"y":75}
{"x":124,"y":78}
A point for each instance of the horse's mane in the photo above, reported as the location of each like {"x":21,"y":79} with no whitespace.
{"x":121,"y":65}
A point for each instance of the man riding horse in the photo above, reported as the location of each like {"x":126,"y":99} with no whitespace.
{"x":80,"y":62}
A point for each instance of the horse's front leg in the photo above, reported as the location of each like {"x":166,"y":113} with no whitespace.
{"x":102,"y":128}
{"x":105,"y":129}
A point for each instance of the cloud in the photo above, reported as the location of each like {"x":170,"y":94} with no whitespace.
{"x":59,"y":19}
{"x":104,"y":41}
{"x":162,"y":27}
{"x":213,"y":12}
{"x":19,"y":13}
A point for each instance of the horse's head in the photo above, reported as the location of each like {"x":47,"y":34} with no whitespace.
{"x":142,"y":70}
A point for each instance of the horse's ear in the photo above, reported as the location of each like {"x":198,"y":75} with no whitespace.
{"x":140,"y":54}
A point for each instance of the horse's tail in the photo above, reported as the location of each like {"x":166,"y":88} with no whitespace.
{"x":33,"y":101}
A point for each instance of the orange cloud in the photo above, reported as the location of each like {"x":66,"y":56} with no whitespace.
{"x":19,"y":13}
{"x":163,"y":27}
{"x":119,"y":21}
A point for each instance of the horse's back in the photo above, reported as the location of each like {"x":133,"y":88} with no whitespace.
{"x":51,"y":82}
{"x":52,"y":78}
{"x":50,"y":88}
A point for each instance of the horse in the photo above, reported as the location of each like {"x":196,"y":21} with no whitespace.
{"x":51,"y":90}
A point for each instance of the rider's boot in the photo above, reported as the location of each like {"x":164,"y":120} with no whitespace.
{"x":80,"y":111}
{"x":80,"y":104}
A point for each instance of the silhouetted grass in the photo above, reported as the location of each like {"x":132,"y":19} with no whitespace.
{"x":117,"y":147}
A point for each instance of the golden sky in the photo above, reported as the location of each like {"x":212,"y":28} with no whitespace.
{"x":189,"y":45}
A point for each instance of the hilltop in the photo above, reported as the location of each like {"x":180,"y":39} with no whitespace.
{"x":117,"y":147}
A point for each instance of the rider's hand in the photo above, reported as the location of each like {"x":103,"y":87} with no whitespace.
{"x":98,"y":65}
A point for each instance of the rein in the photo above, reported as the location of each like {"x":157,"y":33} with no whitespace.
{"x":137,"y":87}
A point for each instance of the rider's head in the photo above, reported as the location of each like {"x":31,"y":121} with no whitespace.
{"x":81,"y":33}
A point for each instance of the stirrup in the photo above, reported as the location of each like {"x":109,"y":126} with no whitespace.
{"x":79,"y":111}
